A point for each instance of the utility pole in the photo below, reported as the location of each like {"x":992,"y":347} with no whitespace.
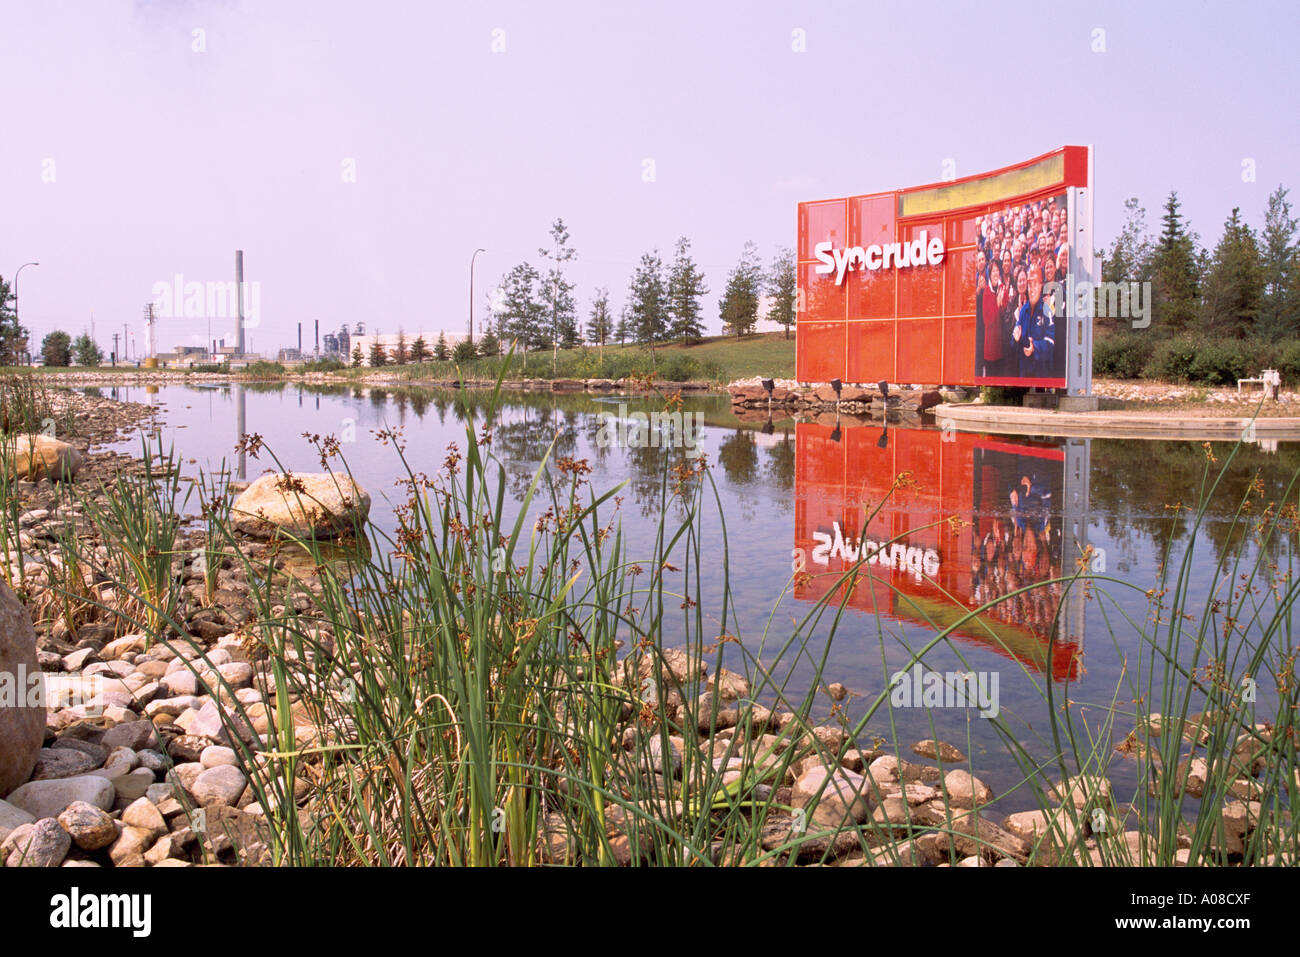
{"x":115,"y":350}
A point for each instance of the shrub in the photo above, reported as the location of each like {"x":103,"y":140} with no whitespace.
{"x":1220,"y":362}
{"x":1172,"y":360}
{"x":1286,"y":360}
{"x":1122,"y":356}
{"x":329,"y":364}
{"x":264,"y":368}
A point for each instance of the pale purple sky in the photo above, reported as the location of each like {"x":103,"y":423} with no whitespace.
{"x":130,"y":157}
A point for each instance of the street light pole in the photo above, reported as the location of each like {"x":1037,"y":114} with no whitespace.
{"x":471,"y":293}
{"x":17,"y":324}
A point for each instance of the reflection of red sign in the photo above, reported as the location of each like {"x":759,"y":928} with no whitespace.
{"x":861,"y":322}
{"x":973,"y":520}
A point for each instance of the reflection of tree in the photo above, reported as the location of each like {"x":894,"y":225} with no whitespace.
{"x":1132,"y":482}
{"x":419,"y":403}
{"x":378,"y":398}
{"x":522,"y":435}
{"x":738,"y":454}
{"x":780,"y":462}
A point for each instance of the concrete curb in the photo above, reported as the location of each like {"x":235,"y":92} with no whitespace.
{"x":1116,"y":425}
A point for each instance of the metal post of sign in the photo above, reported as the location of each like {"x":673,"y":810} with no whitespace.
{"x":1078,"y":463}
{"x":1075,"y":327}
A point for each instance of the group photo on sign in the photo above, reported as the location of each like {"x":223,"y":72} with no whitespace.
{"x":1020,"y":252}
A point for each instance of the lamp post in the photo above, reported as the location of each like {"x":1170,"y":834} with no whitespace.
{"x":17,"y":324}
{"x":471,"y":293}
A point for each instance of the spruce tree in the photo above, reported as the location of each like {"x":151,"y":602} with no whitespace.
{"x":400,"y":353}
{"x":1233,"y":283}
{"x":378,"y":357}
{"x":489,"y":344}
{"x":1279,"y":310}
{"x":739,"y":305}
{"x":440,"y":350}
{"x":685,"y":289}
{"x":356,"y":356}
{"x":648,"y":301}
{"x":419,"y":349}
{"x":599,"y":327}
{"x":1176,"y":271}
{"x":783,"y":287}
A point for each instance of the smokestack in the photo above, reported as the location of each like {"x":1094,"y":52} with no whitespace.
{"x":317,"y":337}
{"x":300,"y":338}
{"x":239,"y":285}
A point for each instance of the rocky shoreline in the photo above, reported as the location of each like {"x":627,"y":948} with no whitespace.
{"x":144,"y":752}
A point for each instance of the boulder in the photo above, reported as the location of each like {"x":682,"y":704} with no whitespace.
{"x":37,"y":457}
{"x":845,"y":796}
{"x":44,"y":844}
{"x":90,"y":826}
{"x":51,"y":798}
{"x":22,"y":728}
{"x":301,"y":504}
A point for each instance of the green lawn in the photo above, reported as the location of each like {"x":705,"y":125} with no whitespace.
{"x":718,"y":359}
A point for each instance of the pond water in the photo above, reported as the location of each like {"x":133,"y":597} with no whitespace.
{"x":974,"y":517}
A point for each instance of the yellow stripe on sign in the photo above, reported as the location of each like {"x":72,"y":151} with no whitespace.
{"x":991,"y":189}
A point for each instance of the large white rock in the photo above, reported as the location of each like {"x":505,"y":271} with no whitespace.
{"x":51,"y":798}
{"x":36,"y":457}
{"x":302,"y":504}
{"x":12,"y":817}
{"x":22,"y":727}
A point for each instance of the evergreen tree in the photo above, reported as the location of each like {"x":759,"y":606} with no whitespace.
{"x":599,"y":327}
{"x":624,"y":327}
{"x":86,"y":352}
{"x":1279,"y":310}
{"x":440,"y":350}
{"x":685,"y":289}
{"x":1233,"y":283}
{"x":1176,"y":272}
{"x":57,"y":348}
{"x":648,"y":301}
{"x":464,"y":351}
{"x":419,"y":349}
{"x":739,"y":306}
{"x":400,"y":353}
{"x":556,"y":291}
{"x":378,"y":357}
{"x":783,"y":287}
{"x":522,"y":314}
{"x":489,"y":344}
{"x":356,"y":356}
{"x":13,"y":337}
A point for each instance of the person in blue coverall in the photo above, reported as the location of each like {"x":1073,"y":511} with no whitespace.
{"x":1035,"y":330}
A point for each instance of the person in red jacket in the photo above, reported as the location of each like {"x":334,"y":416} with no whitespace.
{"x":990,"y":300}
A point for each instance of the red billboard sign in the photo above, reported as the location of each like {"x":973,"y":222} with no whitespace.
{"x":947,"y":283}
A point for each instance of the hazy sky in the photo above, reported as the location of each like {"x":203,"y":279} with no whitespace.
{"x":131,"y":156}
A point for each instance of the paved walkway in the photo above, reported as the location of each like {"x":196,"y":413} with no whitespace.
{"x":1117,"y":425}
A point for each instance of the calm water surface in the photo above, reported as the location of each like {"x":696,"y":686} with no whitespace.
{"x":973,"y":517}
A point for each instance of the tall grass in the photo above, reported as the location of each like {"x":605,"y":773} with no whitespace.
{"x":137,"y":518}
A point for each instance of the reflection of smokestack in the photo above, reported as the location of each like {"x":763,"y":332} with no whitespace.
{"x":239,"y":287}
